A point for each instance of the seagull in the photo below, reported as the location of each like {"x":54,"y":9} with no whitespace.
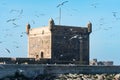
{"x":7,"y":50}
{"x":76,"y":36}
{"x":33,"y":21}
{"x":13,"y":10}
{"x":95,"y":4}
{"x":21,"y":11}
{"x":11,"y":20}
{"x":37,"y":16}
{"x":42,"y":14}
{"x":114,"y":14}
{"x":105,"y":29}
{"x":17,"y":46}
{"x":21,"y":35}
{"x":14,"y":24}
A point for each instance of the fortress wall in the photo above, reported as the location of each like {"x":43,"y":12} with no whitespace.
{"x":32,"y":70}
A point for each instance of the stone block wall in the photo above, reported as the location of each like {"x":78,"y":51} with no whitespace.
{"x":59,"y":43}
{"x":39,"y":43}
{"x":70,"y":44}
{"x":31,"y":70}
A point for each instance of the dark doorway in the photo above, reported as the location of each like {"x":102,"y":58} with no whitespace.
{"x":42,"y":56}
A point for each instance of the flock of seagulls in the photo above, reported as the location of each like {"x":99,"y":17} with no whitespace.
{"x":21,"y":12}
{"x":13,"y":21}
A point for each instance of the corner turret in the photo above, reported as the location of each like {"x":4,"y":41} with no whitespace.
{"x":89,"y":25}
{"x":27,"y":28}
{"x":51,"y":23}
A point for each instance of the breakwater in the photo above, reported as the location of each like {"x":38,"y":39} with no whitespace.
{"x":37,"y":69}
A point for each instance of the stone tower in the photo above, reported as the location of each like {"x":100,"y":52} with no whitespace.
{"x":59,"y":43}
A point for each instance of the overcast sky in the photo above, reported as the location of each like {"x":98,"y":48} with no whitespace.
{"x":104,"y":15}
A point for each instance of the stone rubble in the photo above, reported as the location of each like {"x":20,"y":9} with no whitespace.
{"x":88,"y":77}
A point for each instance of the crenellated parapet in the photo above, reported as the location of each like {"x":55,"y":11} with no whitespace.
{"x":89,"y":25}
{"x":27,"y":28}
{"x":51,"y":23}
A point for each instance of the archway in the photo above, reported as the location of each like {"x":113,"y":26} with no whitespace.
{"x":42,"y":55}
{"x":37,"y":56}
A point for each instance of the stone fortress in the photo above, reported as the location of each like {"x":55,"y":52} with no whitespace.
{"x":59,"y":43}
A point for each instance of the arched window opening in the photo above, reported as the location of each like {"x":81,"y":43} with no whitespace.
{"x":37,"y":56}
{"x":42,"y":55}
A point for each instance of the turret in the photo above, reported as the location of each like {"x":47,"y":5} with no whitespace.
{"x":27,"y":28}
{"x":51,"y":23}
{"x":89,"y":25}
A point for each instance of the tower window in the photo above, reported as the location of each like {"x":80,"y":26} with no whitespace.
{"x":42,"y":56}
{"x":37,"y":56}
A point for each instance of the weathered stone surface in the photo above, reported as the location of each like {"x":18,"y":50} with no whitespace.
{"x":117,"y":77}
{"x":59,"y":43}
{"x":70,"y":71}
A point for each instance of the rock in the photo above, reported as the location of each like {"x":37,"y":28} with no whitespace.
{"x":117,"y":77}
{"x":101,"y":77}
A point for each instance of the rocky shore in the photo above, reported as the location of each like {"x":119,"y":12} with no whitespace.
{"x":19,"y":76}
{"x":88,"y":77}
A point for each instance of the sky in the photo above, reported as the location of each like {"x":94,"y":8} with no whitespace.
{"x":103,"y":14}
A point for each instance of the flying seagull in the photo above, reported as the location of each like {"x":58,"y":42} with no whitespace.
{"x":21,"y":11}
{"x":114,"y":14}
{"x":13,"y":10}
{"x":7,"y":50}
{"x":15,"y":25}
{"x":11,"y":20}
